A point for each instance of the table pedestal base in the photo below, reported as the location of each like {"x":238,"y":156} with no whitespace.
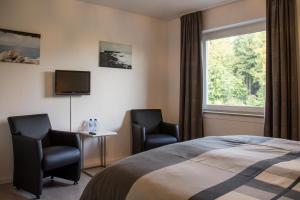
{"x":102,"y":155}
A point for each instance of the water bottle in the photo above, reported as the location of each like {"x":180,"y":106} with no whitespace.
{"x":85,"y":125}
{"x":91,"y":125}
{"x":95,"y":124}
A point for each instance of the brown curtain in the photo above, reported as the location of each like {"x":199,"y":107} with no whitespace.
{"x":281,"y":114}
{"x":191,"y":125}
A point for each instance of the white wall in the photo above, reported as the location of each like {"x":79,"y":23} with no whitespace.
{"x":173,"y":70}
{"x":70,"y":31}
{"x":214,"y":124}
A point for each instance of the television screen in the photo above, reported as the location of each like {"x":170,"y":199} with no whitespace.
{"x":72,"y":82}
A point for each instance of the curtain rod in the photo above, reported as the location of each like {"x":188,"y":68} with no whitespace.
{"x":186,"y":12}
{"x":245,"y":23}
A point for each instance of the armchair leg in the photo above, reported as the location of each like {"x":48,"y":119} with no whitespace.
{"x":37,"y":197}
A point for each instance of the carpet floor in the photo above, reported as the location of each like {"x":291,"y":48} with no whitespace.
{"x":59,"y":189}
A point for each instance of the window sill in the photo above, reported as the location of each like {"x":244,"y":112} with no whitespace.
{"x":242,"y":114}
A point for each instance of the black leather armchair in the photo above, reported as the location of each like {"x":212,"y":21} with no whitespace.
{"x":41,"y":152}
{"x":149,"y":131}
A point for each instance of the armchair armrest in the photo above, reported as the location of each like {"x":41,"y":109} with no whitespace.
{"x":64,"y":138}
{"x":28,"y":155}
{"x":27,"y":148}
{"x":138,"y":138}
{"x":171,"y":129}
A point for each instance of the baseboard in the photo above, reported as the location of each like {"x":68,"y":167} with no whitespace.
{"x":108,"y":161}
{"x":5,"y":180}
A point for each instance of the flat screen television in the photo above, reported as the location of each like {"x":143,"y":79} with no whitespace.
{"x":72,"y":82}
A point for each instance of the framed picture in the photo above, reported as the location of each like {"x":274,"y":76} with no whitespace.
{"x":115,"y":55}
{"x":19,"y":47}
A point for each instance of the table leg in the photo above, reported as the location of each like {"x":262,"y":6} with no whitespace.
{"x":104,"y":151}
{"x":100,"y":150}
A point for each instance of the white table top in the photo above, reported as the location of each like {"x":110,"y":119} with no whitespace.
{"x":99,"y":133}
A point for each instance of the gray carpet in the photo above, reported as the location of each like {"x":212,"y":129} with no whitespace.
{"x":58,"y":189}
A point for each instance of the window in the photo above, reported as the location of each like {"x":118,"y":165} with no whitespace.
{"x":234,"y":66}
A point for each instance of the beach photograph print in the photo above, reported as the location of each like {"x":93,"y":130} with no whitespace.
{"x":19,"y":47}
{"x":115,"y":55}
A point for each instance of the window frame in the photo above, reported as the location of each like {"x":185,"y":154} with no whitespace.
{"x":223,"y":32}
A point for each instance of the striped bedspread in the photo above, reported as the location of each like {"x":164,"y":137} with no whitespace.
{"x":224,"y":168}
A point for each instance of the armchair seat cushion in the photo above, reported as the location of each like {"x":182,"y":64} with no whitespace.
{"x":59,"y":156}
{"x":158,"y":140}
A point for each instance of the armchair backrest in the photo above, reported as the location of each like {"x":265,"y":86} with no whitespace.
{"x":149,"y":118}
{"x":33,"y":126}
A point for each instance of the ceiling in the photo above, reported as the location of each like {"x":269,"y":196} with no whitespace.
{"x":163,"y":9}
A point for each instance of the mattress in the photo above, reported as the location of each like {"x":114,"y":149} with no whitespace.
{"x":223,"y":167}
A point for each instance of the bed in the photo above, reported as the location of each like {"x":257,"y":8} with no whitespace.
{"x":224,"y":168}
